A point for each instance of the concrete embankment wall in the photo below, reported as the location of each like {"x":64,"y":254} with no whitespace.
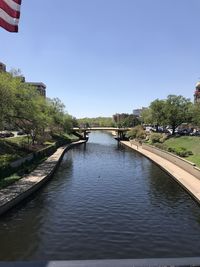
{"x":15,"y":193}
{"x":182,"y":163}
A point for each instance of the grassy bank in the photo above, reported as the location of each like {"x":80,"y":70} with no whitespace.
{"x":12,"y":149}
{"x":191,"y":143}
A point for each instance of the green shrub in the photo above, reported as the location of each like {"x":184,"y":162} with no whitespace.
{"x":160,"y":146}
{"x":171,"y":149}
{"x":180,"y":151}
{"x":136,"y":133}
{"x":155,"y":138}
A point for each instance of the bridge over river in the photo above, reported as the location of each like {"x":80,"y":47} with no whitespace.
{"x":120,"y":132}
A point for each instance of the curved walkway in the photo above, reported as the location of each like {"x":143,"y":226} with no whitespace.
{"x":16,"y":192}
{"x":184,"y":178}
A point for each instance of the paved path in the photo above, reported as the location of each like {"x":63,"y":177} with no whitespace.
{"x":19,"y":190}
{"x":188,"y":181}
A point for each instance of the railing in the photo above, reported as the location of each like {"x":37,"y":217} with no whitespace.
{"x":175,"y":262}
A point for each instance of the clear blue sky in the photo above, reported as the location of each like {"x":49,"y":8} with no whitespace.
{"x":106,"y":56}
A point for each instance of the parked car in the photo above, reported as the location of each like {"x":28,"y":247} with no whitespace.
{"x":21,"y":132}
{"x":185,"y":131}
{"x":6,"y":134}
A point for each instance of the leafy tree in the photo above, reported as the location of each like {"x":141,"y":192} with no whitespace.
{"x":96,"y":122}
{"x":147,"y":116}
{"x":196,"y":114}
{"x":178,"y":109}
{"x":56,"y":114}
{"x":130,"y":121}
{"x":136,"y":133}
{"x":30,"y":111}
{"x":23,"y":107}
{"x":158,"y":115}
{"x":7,"y":97}
{"x":125,"y":120}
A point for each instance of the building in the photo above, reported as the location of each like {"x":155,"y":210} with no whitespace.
{"x":39,"y":86}
{"x":197,"y":93}
{"x":138,"y":112}
{"x":2,"y":67}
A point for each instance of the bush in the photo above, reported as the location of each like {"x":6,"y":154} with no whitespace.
{"x":160,"y":146}
{"x":155,"y":138}
{"x":137,"y":132}
{"x":180,"y":151}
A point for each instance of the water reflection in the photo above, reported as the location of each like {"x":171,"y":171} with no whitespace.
{"x":104,"y":201}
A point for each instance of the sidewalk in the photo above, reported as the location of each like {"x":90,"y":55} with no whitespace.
{"x":184,"y":178}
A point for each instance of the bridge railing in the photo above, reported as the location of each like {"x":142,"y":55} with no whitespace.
{"x":175,"y":262}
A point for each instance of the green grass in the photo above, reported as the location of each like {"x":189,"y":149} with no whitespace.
{"x":12,"y":149}
{"x":20,"y":140}
{"x":191,"y":143}
{"x":71,"y":137}
{"x":25,"y":170}
{"x":9,"y":180}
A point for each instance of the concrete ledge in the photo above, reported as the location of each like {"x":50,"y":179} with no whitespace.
{"x":15,"y":193}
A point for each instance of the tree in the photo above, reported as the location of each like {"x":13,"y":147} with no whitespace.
{"x":130,"y":121}
{"x":158,"y":115}
{"x":147,"y":116}
{"x":23,"y":107}
{"x":196,"y":114}
{"x":7,"y":97}
{"x":136,"y":133}
{"x":178,"y":109}
{"x":30,"y":111}
{"x":56,"y":113}
{"x":125,"y":120}
{"x":96,"y":122}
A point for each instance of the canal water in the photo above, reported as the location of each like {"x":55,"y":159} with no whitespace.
{"x":104,"y":202}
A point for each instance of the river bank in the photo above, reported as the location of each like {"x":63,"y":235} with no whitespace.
{"x":188,"y":181}
{"x":15,"y":193}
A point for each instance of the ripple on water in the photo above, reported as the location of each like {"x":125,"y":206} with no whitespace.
{"x":103,"y":202}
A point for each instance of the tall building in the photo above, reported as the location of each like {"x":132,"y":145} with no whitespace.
{"x":197,"y":93}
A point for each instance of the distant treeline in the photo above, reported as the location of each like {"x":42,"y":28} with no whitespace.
{"x":118,"y":120}
{"x":96,"y":122}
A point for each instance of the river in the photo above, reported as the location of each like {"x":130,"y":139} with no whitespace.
{"x":104,"y":202}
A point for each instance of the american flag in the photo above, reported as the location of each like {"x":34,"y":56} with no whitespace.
{"x":9,"y":14}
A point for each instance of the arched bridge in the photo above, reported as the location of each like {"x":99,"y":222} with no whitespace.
{"x":120,"y":132}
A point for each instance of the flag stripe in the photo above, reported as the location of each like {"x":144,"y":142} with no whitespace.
{"x":12,"y":4}
{"x":10,"y":11}
{"x":18,"y":1}
{"x":8,"y":18}
{"x":7,"y":26}
{"x":9,"y":14}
